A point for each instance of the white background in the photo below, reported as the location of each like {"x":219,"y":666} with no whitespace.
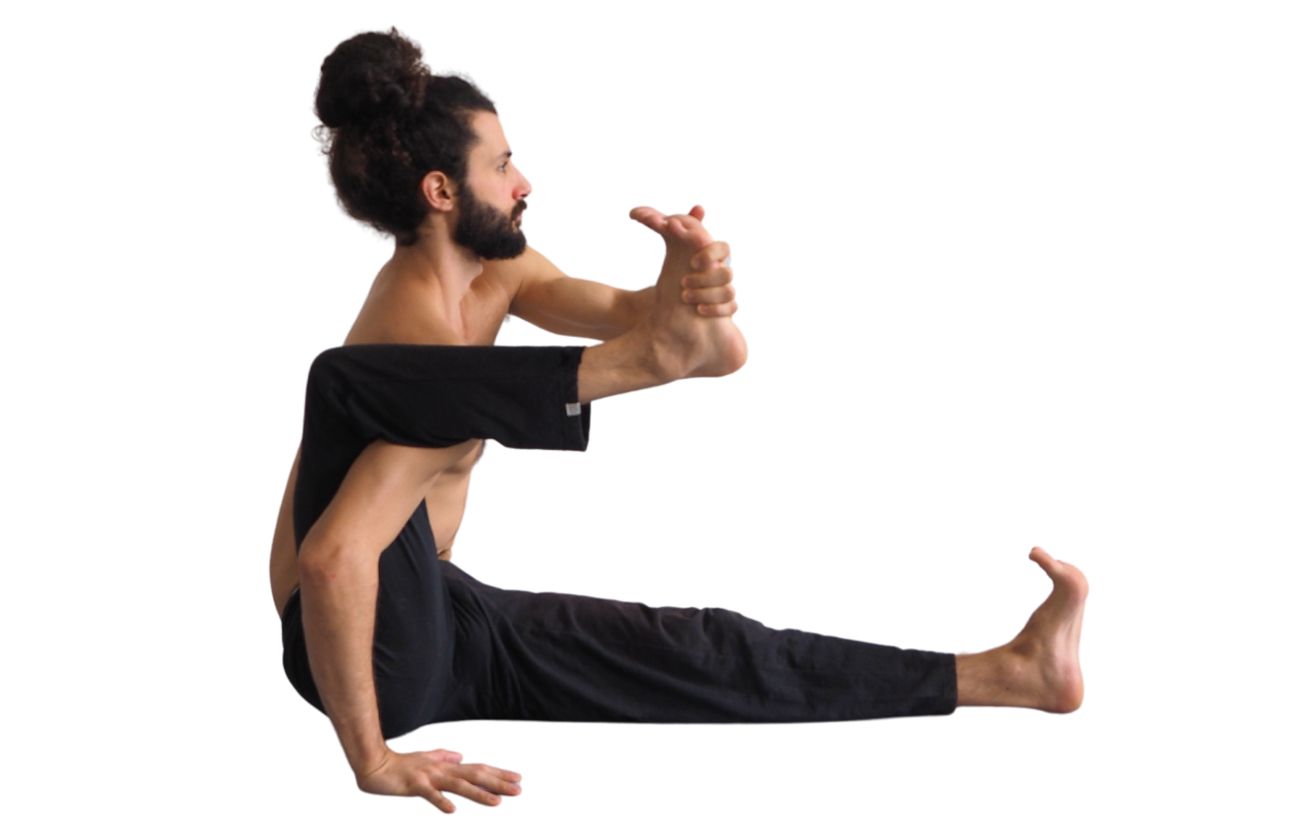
{"x":1011,"y":274}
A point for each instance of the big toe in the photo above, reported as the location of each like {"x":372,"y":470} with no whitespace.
{"x":1065,"y":576}
{"x":689,"y":229}
{"x":1043,"y":559}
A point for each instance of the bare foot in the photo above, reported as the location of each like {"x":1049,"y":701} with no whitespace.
{"x":1039,"y":668}
{"x":685,"y":343}
{"x":1049,"y":643}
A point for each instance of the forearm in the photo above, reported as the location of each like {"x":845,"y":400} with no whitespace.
{"x":600,"y":312}
{"x":338,"y":596}
{"x":583,"y":309}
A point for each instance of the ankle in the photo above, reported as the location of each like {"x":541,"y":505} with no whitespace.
{"x":662,"y":357}
{"x":992,"y":678}
{"x":626,"y":363}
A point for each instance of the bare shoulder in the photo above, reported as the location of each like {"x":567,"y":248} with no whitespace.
{"x":515,"y":274}
{"x":397,"y":312}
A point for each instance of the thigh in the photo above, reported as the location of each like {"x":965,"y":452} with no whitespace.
{"x":571,"y":657}
{"x":432,"y":397}
{"x":415,"y":631}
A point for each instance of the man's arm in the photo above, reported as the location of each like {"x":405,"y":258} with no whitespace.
{"x":339,"y":573}
{"x":546,"y":297}
{"x":339,"y":566}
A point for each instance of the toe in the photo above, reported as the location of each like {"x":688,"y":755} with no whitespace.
{"x":690,"y":228}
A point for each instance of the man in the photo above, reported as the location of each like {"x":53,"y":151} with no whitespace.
{"x":383,"y":637}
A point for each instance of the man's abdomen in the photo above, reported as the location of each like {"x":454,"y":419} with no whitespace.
{"x":446,"y":501}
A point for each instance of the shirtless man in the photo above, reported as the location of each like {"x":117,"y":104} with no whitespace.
{"x":451,"y":281}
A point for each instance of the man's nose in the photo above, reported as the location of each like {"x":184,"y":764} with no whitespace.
{"x":524,"y":187}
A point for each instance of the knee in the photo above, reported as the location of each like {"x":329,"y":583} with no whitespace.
{"x":325,"y":366}
{"x":334,"y":368}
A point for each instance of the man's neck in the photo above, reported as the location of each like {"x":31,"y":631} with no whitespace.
{"x":437,"y":264}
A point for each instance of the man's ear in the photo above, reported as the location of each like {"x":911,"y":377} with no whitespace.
{"x":439,"y":190}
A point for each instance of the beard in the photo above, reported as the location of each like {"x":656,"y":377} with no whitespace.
{"x":487,"y":232}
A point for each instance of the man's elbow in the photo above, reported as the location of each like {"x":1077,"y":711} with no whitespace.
{"x":324,"y":561}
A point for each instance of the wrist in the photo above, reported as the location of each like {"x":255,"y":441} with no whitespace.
{"x":371,"y":763}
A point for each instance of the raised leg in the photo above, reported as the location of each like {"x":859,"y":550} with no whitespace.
{"x":434,"y":396}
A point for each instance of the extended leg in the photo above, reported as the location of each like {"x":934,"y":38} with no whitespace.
{"x":559,"y":656}
{"x":565,"y":657}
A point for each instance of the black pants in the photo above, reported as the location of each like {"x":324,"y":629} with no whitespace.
{"x":448,"y":647}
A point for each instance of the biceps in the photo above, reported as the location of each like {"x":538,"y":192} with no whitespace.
{"x":383,"y":487}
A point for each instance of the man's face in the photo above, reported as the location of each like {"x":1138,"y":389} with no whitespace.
{"x":488,"y":221}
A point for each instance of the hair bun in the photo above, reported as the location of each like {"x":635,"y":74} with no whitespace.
{"x":370,"y":76}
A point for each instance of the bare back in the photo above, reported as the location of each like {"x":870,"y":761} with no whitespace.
{"x":399,"y":311}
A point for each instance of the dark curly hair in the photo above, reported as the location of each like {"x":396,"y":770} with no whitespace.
{"x":386,"y":122}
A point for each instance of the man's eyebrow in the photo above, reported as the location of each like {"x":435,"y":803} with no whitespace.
{"x":506,"y":155}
